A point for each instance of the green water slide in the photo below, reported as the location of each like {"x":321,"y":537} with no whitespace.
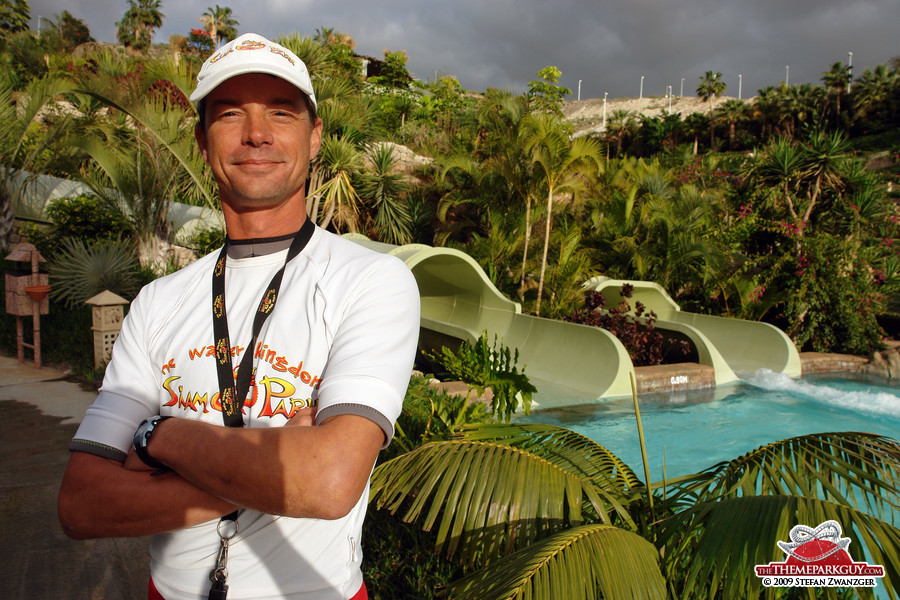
{"x":567,"y":362}
{"x":731,"y":346}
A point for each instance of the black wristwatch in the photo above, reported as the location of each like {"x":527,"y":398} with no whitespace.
{"x":142,"y":437}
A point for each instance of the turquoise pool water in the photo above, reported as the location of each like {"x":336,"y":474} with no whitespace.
{"x":690,"y":431}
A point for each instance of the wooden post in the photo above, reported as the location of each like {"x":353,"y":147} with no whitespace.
{"x":20,"y":340}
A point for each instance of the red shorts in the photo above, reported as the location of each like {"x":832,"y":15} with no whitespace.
{"x":153,"y":593}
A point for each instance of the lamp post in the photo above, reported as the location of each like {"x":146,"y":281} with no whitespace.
{"x":681,"y":95}
{"x":642,"y":87}
{"x":740,"y":83}
{"x":787,"y":75}
{"x":670,"y":98}
{"x":849,"y":70}
{"x":604,"y":110}
{"x":579,"y":89}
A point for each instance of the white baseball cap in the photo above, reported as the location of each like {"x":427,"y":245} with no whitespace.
{"x":252,"y":53}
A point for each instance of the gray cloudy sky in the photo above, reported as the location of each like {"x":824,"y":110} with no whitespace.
{"x":607,"y":44}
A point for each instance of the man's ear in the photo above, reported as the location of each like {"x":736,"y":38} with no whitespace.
{"x":315,"y":139}
{"x":200,"y":136}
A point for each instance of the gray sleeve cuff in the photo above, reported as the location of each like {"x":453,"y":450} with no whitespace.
{"x":360,"y":410}
{"x":97,"y":449}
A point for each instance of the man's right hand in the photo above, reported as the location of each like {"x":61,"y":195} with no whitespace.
{"x":305,"y":417}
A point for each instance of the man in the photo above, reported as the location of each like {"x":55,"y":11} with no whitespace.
{"x":329,"y":346}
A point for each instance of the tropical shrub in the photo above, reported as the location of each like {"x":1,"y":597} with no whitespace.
{"x":82,"y":270}
{"x":400,"y":563}
{"x":481,"y":366}
{"x":430,"y":413}
{"x":634,"y":328}
{"x":834,"y":299}
{"x":84,"y":217}
{"x":207,"y":240}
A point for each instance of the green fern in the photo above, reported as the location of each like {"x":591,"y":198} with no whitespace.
{"x":482,"y":366}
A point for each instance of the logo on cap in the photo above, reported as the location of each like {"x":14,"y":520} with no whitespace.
{"x":284,"y":54}
{"x":251,"y":45}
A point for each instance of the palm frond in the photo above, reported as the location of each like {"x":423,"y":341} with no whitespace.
{"x":714,"y":546}
{"x":857,"y":469}
{"x":172,"y":131}
{"x":585,"y":562}
{"x":564,"y":448}
{"x":489,"y":498}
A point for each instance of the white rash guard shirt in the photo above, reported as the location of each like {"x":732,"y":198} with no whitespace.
{"x":342,"y":335}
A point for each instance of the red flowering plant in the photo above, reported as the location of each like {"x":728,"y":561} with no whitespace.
{"x":636,"y":329}
{"x":200,"y":42}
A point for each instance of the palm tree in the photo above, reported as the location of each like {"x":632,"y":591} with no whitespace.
{"x":826,"y":155}
{"x":710,"y":86}
{"x":538,"y":511}
{"x":14,"y":16}
{"x":573,"y":263}
{"x":500,"y":117}
{"x":137,"y":179}
{"x":876,"y":94}
{"x":836,"y":81}
{"x":469,"y":189}
{"x":169,"y":123}
{"x":332,"y":190}
{"x":136,"y":28}
{"x":765,"y":108}
{"x":696,"y":123}
{"x":143,"y":157}
{"x":24,"y":144}
{"x":797,"y":174}
{"x":620,"y":124}
{"x":776,"y":168}
{"x":655,"y":231}
{"x":385,"y":191}
{"x":732,"y":111}
{"x":562,"y":165}
{"x":220,"y":24}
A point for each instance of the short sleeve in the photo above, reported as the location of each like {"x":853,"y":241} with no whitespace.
{"x":372,"y":353}
{"x":127,"y":395}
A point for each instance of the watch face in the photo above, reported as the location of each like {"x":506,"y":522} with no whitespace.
{"x":142,"y":434}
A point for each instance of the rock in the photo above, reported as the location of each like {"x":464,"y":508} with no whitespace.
{"x":408,"y":162}
{"x":883,"y":364}
{"x":460,"y":388}
{"x":893,"y":361}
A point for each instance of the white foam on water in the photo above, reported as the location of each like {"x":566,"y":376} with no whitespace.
{"x":877,"y":403}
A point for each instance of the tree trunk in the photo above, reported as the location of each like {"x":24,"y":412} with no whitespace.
{"x":525,"y":251}
{"x":537,"y":310}
{"x":7,"y":217}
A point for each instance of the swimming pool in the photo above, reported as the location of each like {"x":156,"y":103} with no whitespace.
{"x":689,"y":431}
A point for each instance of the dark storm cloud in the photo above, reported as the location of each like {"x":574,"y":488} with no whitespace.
{"x":607,"y":44}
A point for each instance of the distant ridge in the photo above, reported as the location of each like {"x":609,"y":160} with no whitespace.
{"x":587,"y":115}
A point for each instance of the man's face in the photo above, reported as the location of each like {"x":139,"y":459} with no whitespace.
{"x":258,"y":140}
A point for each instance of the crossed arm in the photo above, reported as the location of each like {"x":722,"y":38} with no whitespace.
{"x":296,"y":471}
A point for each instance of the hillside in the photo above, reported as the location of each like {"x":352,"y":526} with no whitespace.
{"x":587,"y":115}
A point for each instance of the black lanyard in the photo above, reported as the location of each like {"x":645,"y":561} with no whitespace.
{"x":232,"y":394}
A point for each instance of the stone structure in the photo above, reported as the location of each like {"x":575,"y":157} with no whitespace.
{"x":107,"y":313}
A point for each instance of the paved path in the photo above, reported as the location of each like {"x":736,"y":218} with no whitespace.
{"x":39,"y":412}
